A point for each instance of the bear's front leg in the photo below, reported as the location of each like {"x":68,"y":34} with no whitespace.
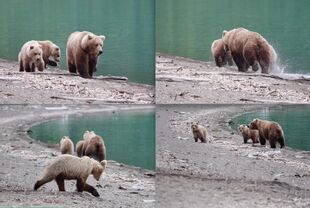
{"x":28,"y":67}
{"x":92,"y":66}
{"x":82,"y":68}
{"x":21,"y":66}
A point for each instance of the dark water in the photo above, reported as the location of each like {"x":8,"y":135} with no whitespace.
{"x":188,"y":27}
{"x":128,"y":27}
{"x":129,"y":136}
{"x":294,"y":121}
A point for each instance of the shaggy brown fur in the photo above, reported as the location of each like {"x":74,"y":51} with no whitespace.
{"x":68,"y":167}
{"x":83,"y":50}
{"x":249,"y":49}
{"x":199,"y":132}
{"x":248,"y":133}
{"x":92,"y":146}
{"x":221,"y":57}
{"x":268,"y":130}
{"x":50,"y":50}
{"x":66,"y":145}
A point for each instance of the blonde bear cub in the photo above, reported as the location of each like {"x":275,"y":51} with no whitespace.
{"x":69,"y":167}
{"x":66,"y":145}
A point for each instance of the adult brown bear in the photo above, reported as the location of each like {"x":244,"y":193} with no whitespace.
{"x":268,"y":130}
{"x":83,"y":50}
{"x":249,"y":48}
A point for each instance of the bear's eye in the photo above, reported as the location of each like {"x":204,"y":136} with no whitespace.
{"x":97,"y":45}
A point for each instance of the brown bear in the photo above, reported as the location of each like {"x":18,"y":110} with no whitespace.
{"x":50,"y":49}
{"x":83,"y":50}
{"x":79,"y":148}
{"x":92,"y":146}
{"x":221,"y":57}
{"x":66,"y":145}
{"x":70,"y":167}
{"x":199,"y":132}
{"x":30,"y":57}
{"x":268,"y":130}
{"x":248,"y":133}
{"x":249,"y":48}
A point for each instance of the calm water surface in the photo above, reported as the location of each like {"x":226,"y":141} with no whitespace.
{"x":128,"y":27}
{"x":129,"y":136}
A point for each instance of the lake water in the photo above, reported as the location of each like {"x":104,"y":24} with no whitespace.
{"x":129,"y":136}
{"x":188,"y":27}
{"x":293,"y":119}
{"x":128,"y":26}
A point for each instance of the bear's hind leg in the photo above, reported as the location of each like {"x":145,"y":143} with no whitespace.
{"x":60,"y":182}
{"x":91,"y":190}
{"x":80,"y":185}
{"x":41,"y":182}
{"x":272,"y":143}
{"x":72,"y":68}
{"x":262,"y":141}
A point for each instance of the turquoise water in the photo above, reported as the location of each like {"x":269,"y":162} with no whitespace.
{"x":128,"y":27}
{"x":188,"y":27}
{"x":129,"y":136}
{"x":294,"y":121}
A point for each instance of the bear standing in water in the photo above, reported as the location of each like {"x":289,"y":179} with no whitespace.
{"x":268,"y":130}
{"x":83,"y":50}
{"x":249,"y":48}
{"x":73,"y":168}
{"x":30,"y":57}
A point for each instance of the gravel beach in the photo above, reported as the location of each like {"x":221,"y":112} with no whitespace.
{"x":224,"y":172}
{"x":56,"y":86}
{"x":23,"y":160}
{"x":182,"y":80}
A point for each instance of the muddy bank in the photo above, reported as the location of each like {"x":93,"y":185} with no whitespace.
{"x":225,"y":172}
{"x":60,"y":87}
{"x":182,"y":80}
{"x":23,"y":160}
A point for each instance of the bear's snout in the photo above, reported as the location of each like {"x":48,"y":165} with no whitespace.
{"x":100,"y":52}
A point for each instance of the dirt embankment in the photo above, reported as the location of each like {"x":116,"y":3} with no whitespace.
{"x":183,"y":80}
{"x":23,"y":161}
{"x":224,"y":172}
{"x":60,"y":87}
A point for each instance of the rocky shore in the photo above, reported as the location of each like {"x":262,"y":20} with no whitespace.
{"x":56,"y":86}
{"x":182,"y":80}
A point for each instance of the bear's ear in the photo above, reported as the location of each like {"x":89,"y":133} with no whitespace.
{"x":224,"y":33}
{"x":104,"y":164}
{"x":90,"y":37}
{"x":31,"y":47}
{"x":102,"y":37}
